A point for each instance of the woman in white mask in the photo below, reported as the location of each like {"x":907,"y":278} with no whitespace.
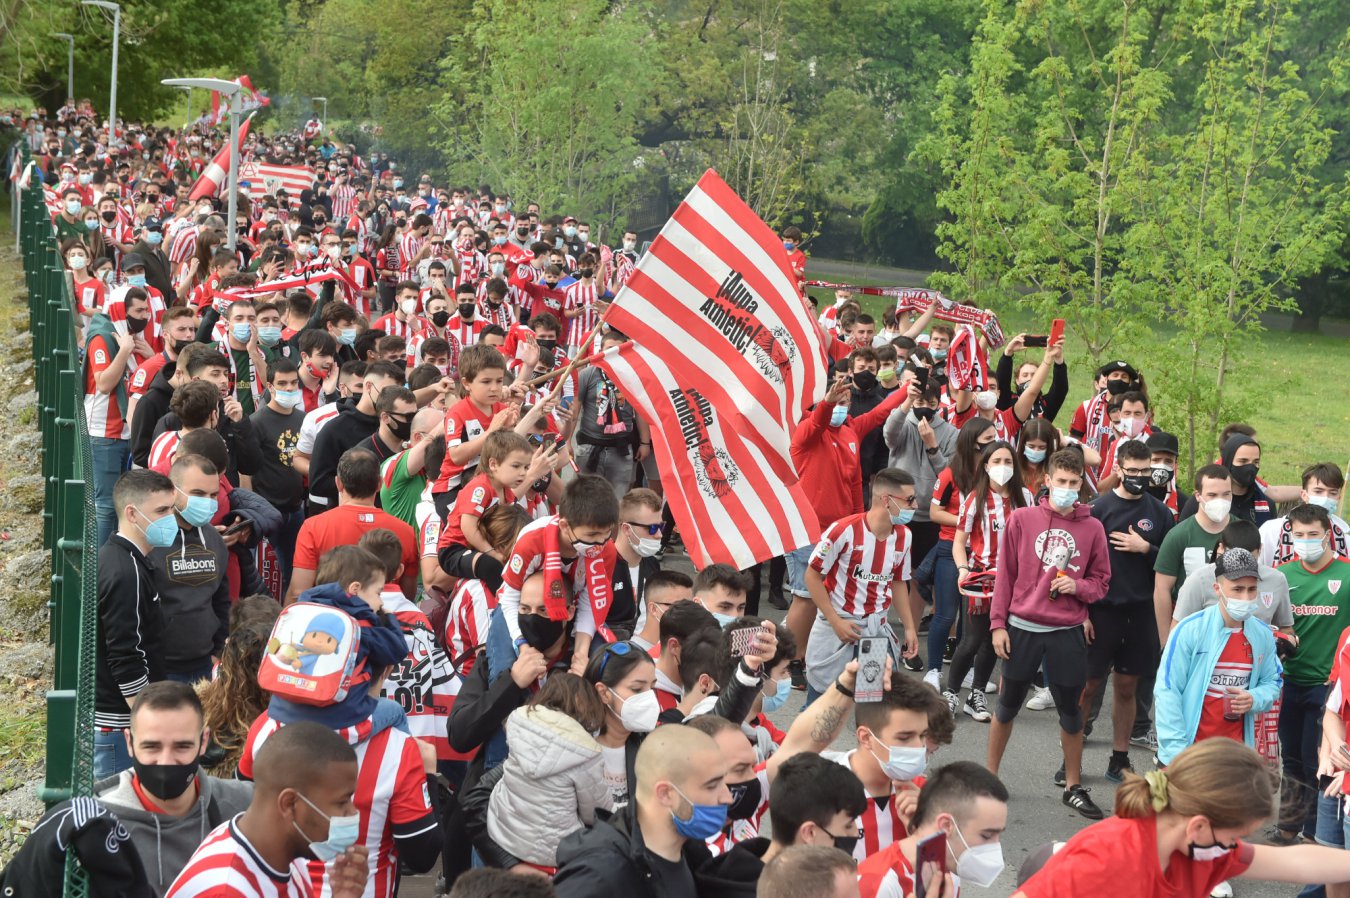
{"x":1180,"y":832}
{"x":625,"y":678}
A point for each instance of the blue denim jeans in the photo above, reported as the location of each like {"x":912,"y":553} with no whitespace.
{"x":111,"y":755}
{"x":110,"y":460}
{"x":797,"y":562}
{"x":285,"y":543}
{"x":946,"y":602}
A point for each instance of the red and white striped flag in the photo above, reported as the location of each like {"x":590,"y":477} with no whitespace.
{"x":315,"y":272}
{"x":252,"y":99}
{"x":215,"y":175}
{"x":715,"y":297}
{"x":264,"y":178}
{"x":730,"y":505}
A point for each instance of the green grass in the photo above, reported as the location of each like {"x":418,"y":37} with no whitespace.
{"x":1297,"y":380}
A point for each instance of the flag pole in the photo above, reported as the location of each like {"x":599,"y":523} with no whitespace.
{"x":576,"y":363}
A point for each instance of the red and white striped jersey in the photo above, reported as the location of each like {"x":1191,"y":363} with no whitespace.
{"x":887,"y":874}
{"x":1006,"y":425}
{"x":89,"y":296}
{"x":983,"y":542}
{"x":424,"y":683}
{"x":880,"y":824}
{"x":313,"y":423}
{"x":184,"y":246}
{"x":581,"y":297}
{"x":343,"y":197}
{"x":415,"y":350}
{"x":391,"y":790}
{"x":101,"y":411}
{"x":464,"y":423}
{"x":394,"y":327}
{"x":227,"y":865}
{"x":858,"y":568}
{"x":472,"y":264}
{"x":409,"y":245}
{"x":466,"y":624}
{"x":740,"y":830}
{"x":162,"y":449}
{"x":363,"y":275}
{"x":466,"y":333}
{"x":504,"y":316}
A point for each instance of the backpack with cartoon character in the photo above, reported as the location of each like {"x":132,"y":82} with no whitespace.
{"x":312,"y":655}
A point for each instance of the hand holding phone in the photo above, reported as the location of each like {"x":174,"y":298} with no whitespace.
{"x":1032,"y":341}
{"x":1056,"y":331}
{"x":930,"y":866}
{"x":872,"y":654}
{"x":742,"y":640}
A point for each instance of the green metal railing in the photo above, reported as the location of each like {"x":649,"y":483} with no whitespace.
{"x":69,"y":526}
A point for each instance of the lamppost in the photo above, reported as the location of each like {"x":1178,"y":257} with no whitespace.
{"x":324,"y":123}
{"x":117,"y":33}
{"x":231,"y":91}
{"x":188,"y":88}
{"x":70,"y":62}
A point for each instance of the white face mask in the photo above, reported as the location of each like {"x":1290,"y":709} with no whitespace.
{"x":986,"y":400}
{"x":644,"y":546}
{"x":1131,"y":427}
{"x":1000,"y":474}
{"x":638,"y":713}
{"x":409,"y":306}
{"x":979,"y":865}
{"x":1217,"y":509}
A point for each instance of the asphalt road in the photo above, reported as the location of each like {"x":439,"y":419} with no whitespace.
{"x":1036,"y":813}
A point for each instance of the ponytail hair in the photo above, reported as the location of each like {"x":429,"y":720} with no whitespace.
{"x":1202,"y":781}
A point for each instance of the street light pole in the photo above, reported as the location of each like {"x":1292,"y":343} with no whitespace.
{"x":324,"y":123}
{"x":117,"y":32}
{"x":187,"y":87}
{"x":70,"y":63}
{"x":231,"y":91}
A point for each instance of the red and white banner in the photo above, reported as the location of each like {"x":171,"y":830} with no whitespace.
{"x":215,"y":175}
{"x":251,"y":100}
{"x":724,"y":494}
{"x":715,"y":297}
{"x":316,"y":272}
{"x":264,"y":178}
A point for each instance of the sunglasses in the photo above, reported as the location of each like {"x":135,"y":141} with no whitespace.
{"x":649,"y":529}
{"x":614,"y":648}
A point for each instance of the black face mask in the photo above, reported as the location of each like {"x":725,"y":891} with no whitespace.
{"x":550,"y":345}
{"x":466,"y":310}
{"x":166,"y":781}
{"x":923,"y":414}
{"x":1244,"y":475}
{"x":744,"y":799}
{"x":539,"y":631}
{"x":178,"y":345}
{"x":136,"y":325}
{"x":585,"y":272}
{"x":522,"y":233}
{"x":441,"y":318}
{"x":1135,"y":484}
{"x":1160,"y":476}
{"x":108,"y":216}
{"x":865,"y":381}
{"x":1116,"y":387}
{"x":845,"y":844}
{"x":401,"y":431}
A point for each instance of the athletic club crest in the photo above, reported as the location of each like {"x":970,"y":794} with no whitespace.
{"x":714,"y":470}
{"x":1333,"y":586}
{"x":731,"y":310}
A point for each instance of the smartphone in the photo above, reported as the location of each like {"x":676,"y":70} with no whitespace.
{"x":872,"y":652}
{"x":1032,"y":342}
{"x":548,"y":439}
{"x":930,"y":863}
{"x":1056,"y":331}
{"x":743,"y":639}
{"x":237,"y":526}
{"x":921,"y":377}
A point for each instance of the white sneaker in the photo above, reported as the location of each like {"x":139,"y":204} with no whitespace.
{"x":1041,"y":699}
{"x":934,"y":678}
{"x":969,"y":681}
{"x":1222,"y":890}
{"x":991,"y":687}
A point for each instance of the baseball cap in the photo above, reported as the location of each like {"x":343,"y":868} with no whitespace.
{"x":132,"y":260}
{"x":1162,"y":441}
{"x":1118,"y":365}
{"x":1234,"y":564}
{"x":152,"y":223}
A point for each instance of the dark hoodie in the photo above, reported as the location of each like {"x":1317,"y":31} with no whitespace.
{"x":734,"y":874}
{"x":382,"y":645}
{"x":611,"y":858}
{"x":1253,"y":505}
{"x":153,"y":405}
{"x":194,"y":597}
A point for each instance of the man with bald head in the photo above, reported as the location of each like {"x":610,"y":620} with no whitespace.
{"x":302,"y":810}
{"x":403,"y":477}
{"x":679,"y":800}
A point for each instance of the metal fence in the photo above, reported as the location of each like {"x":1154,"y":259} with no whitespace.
{"x":69,"y":528}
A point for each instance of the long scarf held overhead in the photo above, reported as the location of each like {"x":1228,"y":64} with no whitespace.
{"x":917,"y":299}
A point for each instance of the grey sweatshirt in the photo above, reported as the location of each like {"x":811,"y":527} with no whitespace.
{"x":164,"y":843}
{"x":910,"y":454}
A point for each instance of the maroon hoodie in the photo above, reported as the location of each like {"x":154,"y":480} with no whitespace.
{"x":1038,"y":542}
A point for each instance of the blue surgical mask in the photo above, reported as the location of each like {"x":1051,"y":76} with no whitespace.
{"x":789,"y":245}
{"x":778,"y":699}
{"x":161,"y":533}
{"x":1309,"y":549}
{"x":199,"y":510}
{"x":902,"y":763}
{"x":904,"y":517}
{"x":1035,"y":456}
{"x":136,"y":280}
{"x":289,"y":398}
{"x":342,"y":834}
{"x":347,"y":336}
{"x":270,"y":336}
{"x":938,"y":354}
{"x":1323,"y":502}
{"x":705,"y":820}
{"x":723,"y":619}
{"x":1063,"y":497}
{"x":838,"y":416}
{"x":242,"y":332}
{"x":154,"y":238}
{"x":1238,"y":609}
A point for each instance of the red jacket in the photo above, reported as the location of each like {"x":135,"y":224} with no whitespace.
{"x":826,"y":458}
